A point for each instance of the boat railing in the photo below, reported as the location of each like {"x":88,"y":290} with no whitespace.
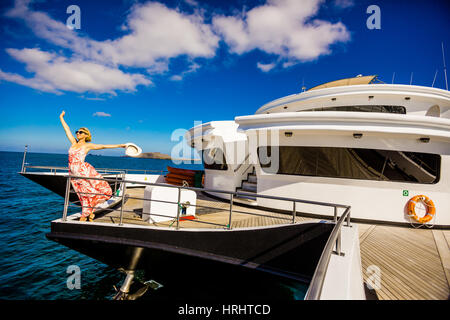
{"x":56,"y":169}
{"x":231,"y":196}
{"x":334,"y":241}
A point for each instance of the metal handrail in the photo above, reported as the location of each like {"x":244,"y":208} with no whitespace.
{"x":53,"y":169}
{"x":24,"y":167}
{"x":235,"y":193}
{"x":316,"y":284}
{"x":66,"y":205}
{"x":46,"y":167}
{"x":230,"y":193}
{"x":136,"y":170}
{"x":172,"y":202}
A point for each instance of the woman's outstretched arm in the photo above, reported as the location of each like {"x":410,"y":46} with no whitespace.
{"x":67,"y":129}
{"x":92,"y":146}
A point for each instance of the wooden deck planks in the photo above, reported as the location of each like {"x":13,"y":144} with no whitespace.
{"x":411,"y":268}
{"x":404,"y":282}
{"x":444,"y":251}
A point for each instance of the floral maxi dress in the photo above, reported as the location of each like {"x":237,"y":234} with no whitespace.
{"x":85,"y":187}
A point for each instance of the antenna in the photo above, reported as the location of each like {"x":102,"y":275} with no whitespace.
{"x":410,"y":81}
{"x":393,"y":76}
{"x":445,"y":68}
{"x":303,"y":85}
{"x":432,"y":85}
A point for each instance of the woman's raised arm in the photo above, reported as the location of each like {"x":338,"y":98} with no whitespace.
{"x":67,"y":129}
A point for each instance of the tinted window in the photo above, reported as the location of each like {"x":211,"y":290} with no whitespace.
{"x":382,"y":109}
{"x":368,"y":164}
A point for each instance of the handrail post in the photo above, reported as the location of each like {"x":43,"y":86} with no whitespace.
{"x":66,"y":198}
{"x":348,"y":219}
{"x":294,"y":211}
{"x":338,"y":243}
{"x":124,"y":190}
{"x":231,"y":211}
{"x":24,"y":156}
{"x":335,"y":214}
{"x":178,"y":208}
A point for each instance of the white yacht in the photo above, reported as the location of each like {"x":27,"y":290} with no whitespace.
{"x":356,"y":141}
{"x":296,"y":192}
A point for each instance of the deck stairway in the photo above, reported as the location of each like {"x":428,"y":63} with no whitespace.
{"x":248,"y":186}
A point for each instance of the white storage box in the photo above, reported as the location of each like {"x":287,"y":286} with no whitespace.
{"x":153,"y":209}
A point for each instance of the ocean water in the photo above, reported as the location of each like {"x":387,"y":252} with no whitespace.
{"x":31,"y":266}
{"x":35,"y":268}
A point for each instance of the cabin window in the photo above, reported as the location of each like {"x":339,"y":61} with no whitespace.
{"x":214,"y":159}
{"x":352,"y":163}
{"x":362,"y":108}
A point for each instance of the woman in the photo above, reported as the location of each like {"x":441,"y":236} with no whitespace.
{"x":90,"y":192}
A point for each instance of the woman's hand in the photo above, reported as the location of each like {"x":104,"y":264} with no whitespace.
{"x":62,"y":114}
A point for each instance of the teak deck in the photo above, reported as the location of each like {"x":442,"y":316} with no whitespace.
{"x":414,"y":264}
{"x":406,"y":263}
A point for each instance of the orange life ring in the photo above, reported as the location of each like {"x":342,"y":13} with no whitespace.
{"x":431,"y":209}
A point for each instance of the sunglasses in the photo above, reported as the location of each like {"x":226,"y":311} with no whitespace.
{"x":77,"y":132}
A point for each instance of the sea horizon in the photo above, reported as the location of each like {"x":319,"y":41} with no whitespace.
{"x":196,"y":161}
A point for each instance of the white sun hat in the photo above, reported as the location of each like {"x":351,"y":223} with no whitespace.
{"x":132,"y":150}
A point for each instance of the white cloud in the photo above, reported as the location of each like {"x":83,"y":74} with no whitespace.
{"x":93,"y":98}
{"x":101,"y":114}
{"x":32,"y":83}
{"x":192,"y":3}
{"x":282,"y":27}
{"x":159,"y":67}
{"x":344,"y":3}
{"x":192,"y":68}
{"x":265,"y":67}
{"x":176,"y":77}
{"x":53,"y":73}
{"x":155,"y":34}
{"x":159,"y":32}
{"x":49,"y":29}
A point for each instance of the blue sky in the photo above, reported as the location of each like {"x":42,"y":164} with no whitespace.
{"x":138,"y":70}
